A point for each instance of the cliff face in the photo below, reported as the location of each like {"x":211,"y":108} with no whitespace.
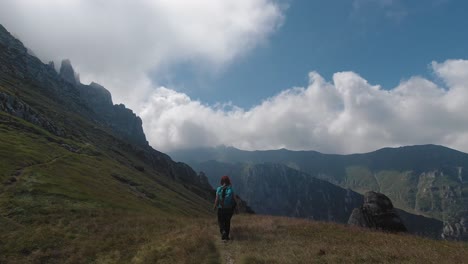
{"x":123,"y":122}
{"x":15,"y":107}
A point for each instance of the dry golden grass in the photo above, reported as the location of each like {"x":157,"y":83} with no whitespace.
{"x":266,"y":239}
{"x":135,"y":237}
{"x":110,"y":237}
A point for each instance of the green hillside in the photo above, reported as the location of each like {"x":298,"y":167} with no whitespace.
{"x":70,"y":201}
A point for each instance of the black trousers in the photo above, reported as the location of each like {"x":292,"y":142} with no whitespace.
{"x":224,"y":220}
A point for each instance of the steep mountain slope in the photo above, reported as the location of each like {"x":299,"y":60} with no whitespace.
{"x":78,"y":181}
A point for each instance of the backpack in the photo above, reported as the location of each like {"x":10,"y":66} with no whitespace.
{"x":227,"y":198}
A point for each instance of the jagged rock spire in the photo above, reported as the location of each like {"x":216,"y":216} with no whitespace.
{"x":68,"y":73}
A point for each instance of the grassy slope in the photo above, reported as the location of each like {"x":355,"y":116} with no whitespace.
{"x":86,"y":198}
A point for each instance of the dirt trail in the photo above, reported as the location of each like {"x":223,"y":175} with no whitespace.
{"x":19,"y":172}
{"x":229,"y":259}
{"x":226,"y":252}
{"x":225,"y":249}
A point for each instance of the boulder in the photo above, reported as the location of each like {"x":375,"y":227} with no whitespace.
{"x":377,"y":212}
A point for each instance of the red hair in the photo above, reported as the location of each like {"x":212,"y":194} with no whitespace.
{"x":225,"y":180}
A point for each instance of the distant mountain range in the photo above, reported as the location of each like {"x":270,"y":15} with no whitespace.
{"x":425,"y":180}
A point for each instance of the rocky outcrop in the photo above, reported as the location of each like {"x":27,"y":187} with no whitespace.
{"x":15,"y":107}
{"x":127,"y":125}
{"x":97,"y":94}
{"x":377,"y":212}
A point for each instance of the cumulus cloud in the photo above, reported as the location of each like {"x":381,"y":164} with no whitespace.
{"x":117,"y":43}
{"x":346,"y":115}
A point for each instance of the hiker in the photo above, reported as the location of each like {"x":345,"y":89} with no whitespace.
{"x":226,"y":203}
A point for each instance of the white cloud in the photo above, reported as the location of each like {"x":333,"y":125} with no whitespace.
{"x":344,"y":116}
{"x":117,"y":43}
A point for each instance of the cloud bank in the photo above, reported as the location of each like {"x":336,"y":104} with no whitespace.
{"x":117,"y":43}
{"x":346,"y":115}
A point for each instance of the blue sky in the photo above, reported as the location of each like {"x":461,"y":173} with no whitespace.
{"x":383,"y":41}
{"x":334,"y":76}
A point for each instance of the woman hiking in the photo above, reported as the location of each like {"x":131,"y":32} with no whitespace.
{"x":226,"y":203}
